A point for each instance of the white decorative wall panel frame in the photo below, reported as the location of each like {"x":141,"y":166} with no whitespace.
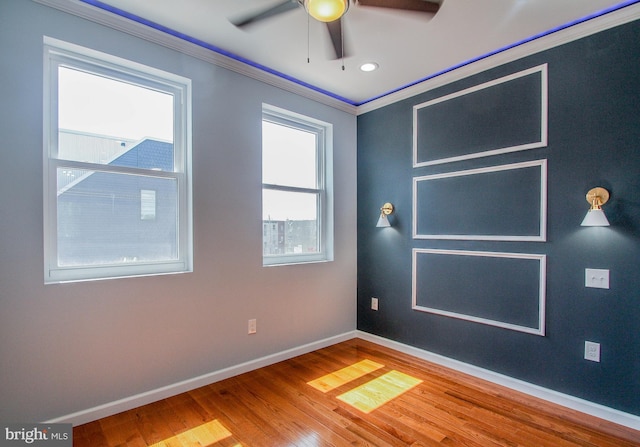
{"x":502,"y":201}
{"x":540,"y":140}
{"x":537,"y":301}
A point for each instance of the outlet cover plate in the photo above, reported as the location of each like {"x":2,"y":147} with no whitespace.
{"x":592,"y":351}
{"x":598,"y":278}
{"x":374,"y":303}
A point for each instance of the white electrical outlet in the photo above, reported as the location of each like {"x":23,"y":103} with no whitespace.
{"x":374,"y":303}
{"x":598,"y":278}
{"x":252,"y":326}
{"x":592,"y":351}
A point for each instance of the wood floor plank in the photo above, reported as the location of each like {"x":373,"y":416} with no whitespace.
{"x":348,"y":416}
{"x":321,"y":410}
{"x":224,"y":401}
{"x":295,"y":410}
{"x":277,"y":406}
{"x":345,"y":375}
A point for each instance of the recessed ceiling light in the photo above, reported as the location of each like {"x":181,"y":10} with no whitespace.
{"x":369,"y":66}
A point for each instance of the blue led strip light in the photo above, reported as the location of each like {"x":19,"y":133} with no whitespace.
{"x":233,"y":56}
{"x":213,"y":48}
{"x":499,"y":50}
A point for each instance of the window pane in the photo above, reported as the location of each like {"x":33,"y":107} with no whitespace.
{"x":290,"y":223}
{"x":101,"y":120}
{"x":288,"y":156}
{"x":99,"y":219}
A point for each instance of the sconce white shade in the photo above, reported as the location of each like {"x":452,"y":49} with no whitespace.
{"x":383,"y":221}
{"x":595,"y":216}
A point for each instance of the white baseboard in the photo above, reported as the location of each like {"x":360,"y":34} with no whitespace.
{"x":574,"y":403}
{"x":565,"y":400}
{"x":128,"y":403}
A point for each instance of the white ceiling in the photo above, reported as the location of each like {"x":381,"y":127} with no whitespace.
{"x":408,"y":46}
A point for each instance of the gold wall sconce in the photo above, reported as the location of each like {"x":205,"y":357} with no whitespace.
{"x":383,"y":221}
{"x":595,"y":216}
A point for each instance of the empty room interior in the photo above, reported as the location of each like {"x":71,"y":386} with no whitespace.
{"x":272,"y":227}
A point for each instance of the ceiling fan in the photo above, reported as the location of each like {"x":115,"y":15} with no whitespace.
{"x":331,"y":12}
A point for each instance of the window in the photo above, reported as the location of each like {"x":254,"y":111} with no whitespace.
{"x":117,"y":188}
{"x":296,"y":188}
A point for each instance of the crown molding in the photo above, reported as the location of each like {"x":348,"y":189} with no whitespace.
{"x":565,"y":35}
{"x":123,"y":24}
{"x":535,"y":45}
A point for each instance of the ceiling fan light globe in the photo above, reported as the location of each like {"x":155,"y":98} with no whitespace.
{"x":326,"y":10}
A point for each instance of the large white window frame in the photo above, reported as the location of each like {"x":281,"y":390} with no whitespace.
{"x":63,"y":54}
{"x":323,"y":188}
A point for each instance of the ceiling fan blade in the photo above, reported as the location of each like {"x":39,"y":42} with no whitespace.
{"x":409,"y":5}
{"x":283,"y":6}
{"x":335,"y":33}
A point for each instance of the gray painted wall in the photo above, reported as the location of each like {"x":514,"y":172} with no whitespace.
{"x":70,"y":347}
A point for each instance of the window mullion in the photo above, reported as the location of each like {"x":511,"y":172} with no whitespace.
{"x":99,"y":167}
{"x":290,"y":188}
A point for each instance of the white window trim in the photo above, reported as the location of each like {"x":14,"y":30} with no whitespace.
{"x":56,"y":53}
{"x":324,"y":188}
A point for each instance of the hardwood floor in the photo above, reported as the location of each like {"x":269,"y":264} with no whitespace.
{"x":309,"y":401}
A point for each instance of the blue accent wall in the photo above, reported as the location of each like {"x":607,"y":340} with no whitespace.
{"x":593,"y":140}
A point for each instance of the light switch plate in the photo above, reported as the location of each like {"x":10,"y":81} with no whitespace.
{"x":598,"y":278}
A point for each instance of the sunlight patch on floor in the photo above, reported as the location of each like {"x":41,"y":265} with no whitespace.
{"x":345,"y":375}
{"x":377,"y":392}
{"x":205,"y":434}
